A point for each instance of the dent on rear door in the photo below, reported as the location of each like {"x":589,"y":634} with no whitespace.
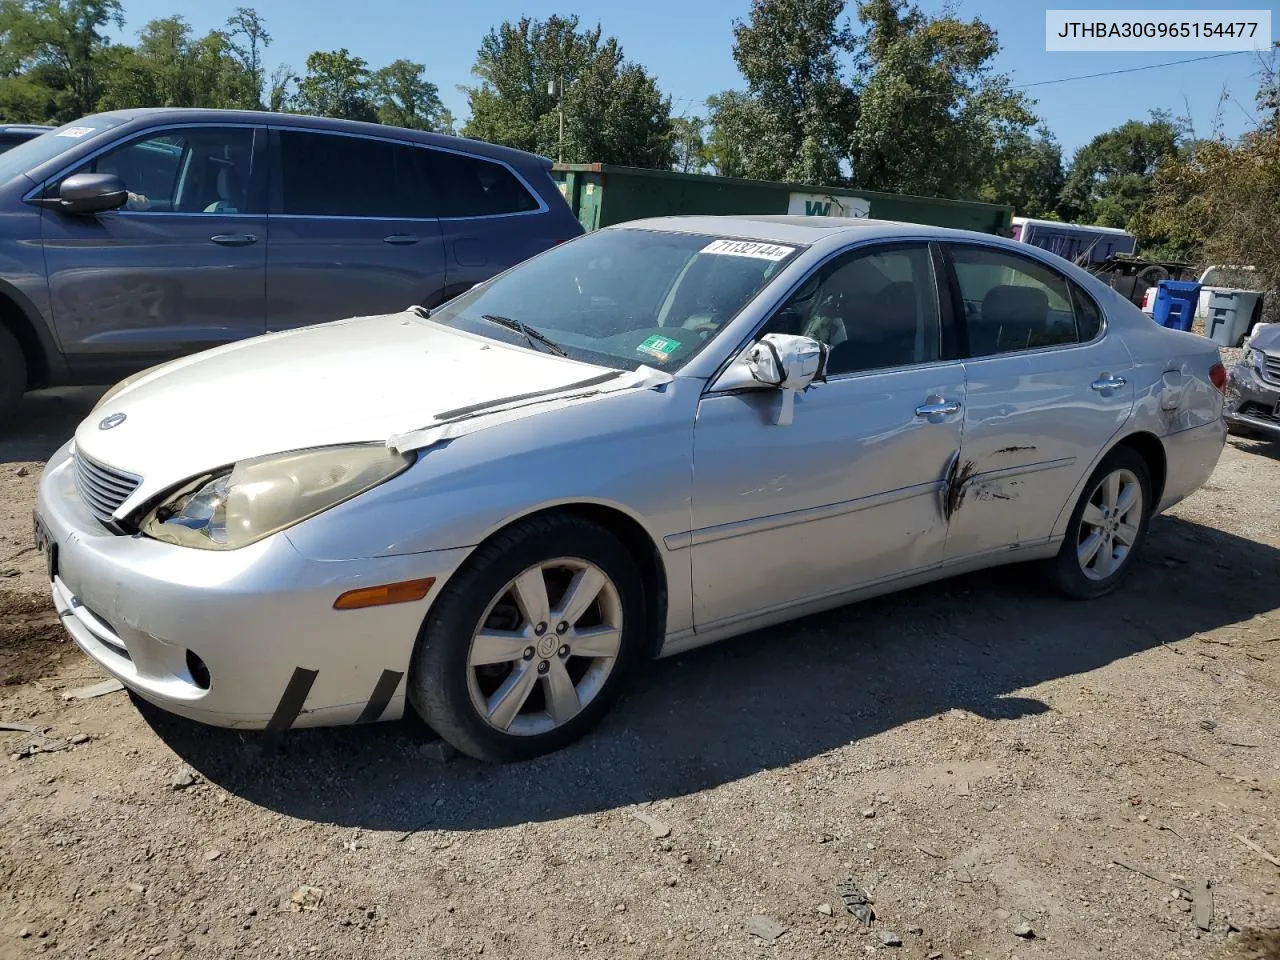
{"x":1034,"y":426}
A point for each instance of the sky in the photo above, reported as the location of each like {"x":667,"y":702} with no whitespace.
{"x":687,"y":45}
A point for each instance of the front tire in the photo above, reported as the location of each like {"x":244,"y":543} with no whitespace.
{"x":1106,"y":528}
{"x":13,"y":371}
{"x":529,"y":643}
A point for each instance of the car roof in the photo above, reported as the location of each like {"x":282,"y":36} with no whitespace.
{"x":805,"y":230}
{"x":23,"y":128}
{"x":205,"y":115}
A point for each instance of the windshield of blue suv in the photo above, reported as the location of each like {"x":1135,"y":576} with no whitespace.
{"x":41,"y":149}
{"x":622,"y":297}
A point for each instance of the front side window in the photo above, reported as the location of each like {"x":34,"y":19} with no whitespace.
{"x":1013,"y":303}
{"x":198,"y":170}
{"x":624,"y":297}
{"x":873,"y":309}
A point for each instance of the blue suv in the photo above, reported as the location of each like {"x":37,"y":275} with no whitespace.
{"x":132,"y":237}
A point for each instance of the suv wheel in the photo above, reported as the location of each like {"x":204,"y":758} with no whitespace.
{"x":13,"y":371}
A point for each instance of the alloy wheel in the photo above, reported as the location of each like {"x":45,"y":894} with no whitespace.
{"x":545,"y":646}
{"x":1109,"y":525}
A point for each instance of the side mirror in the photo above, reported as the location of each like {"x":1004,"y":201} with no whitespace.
{"x":777,"y":361}
{"x":91,"y":193}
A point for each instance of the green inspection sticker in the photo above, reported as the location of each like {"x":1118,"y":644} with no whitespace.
{"x":659,"y":347}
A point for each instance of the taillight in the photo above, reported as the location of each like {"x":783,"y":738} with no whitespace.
{"x":1146,"y":298}
{"x":1218,"y":377}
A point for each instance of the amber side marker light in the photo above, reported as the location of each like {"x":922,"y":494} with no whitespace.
{"x":404,"y":592}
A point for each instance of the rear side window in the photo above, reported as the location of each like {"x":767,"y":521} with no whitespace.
{"x":330,"y":175}
{"x":466,"y":186}
{"x":1014,"y":303}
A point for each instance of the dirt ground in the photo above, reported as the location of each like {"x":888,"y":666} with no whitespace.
{"x":982,"y":758}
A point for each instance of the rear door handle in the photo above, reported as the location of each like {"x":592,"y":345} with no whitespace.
{"x":234,"y":239}
{"x":1107,"y":382}
{"x":937,"y":408}
{"x":401,"y":239}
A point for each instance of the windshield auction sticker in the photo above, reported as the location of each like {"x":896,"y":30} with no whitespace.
{"x":75,"y":132}
{"x":748,"y":248}
{"x":1116,"y":31}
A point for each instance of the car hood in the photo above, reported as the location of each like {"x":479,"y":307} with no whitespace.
{"x":361,"y":380}
{"x":1266,"y":337}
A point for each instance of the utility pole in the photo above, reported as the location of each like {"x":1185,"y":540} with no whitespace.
{"x":557,"y":90}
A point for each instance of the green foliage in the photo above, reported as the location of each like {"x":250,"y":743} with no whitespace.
{"x":1111,"y":176}
{"x":1027,"y":175}
{"x":50,"y":54}
{"x":1218,"y":202}
{"x":403,"y":97}
{"x":247,"y":39}
{"x":687,"y":144}
{"x":169,"y":69}
{"x":801,"y":110}
{"x":336,"y":84}
{"x":934,"y":119}
{"x":613,"y":110}
{"x":734,"y":122}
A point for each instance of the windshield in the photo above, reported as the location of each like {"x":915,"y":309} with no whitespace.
{"x":622,"y":298}
{"x":29,"y":155}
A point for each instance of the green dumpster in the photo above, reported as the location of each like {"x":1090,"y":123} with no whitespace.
{"x":603,"y":194}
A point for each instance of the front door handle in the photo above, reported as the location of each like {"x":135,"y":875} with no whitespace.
{"x":234,"y":239}
{"x":401,"y":239}
{"x":1108,"y":382}
{"x":936,"y":408}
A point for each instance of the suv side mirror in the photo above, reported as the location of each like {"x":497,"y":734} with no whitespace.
{"x":777,"y":361}
{"x":91,"y":193}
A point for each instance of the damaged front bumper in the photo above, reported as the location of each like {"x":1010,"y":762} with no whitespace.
{"x":1253,"y":401}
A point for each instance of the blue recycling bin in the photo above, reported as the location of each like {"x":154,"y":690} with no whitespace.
{"x":1175,"y":304}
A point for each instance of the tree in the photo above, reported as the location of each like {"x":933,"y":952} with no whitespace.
{"x":687,"y":144}
{"x":1027,"y":174}
{"x":281,"y":88}
{"x":336,"y":85}
{"x":403,"y":97}
{"x":247,"y":38}
{"x":53,"y":48}
{"x":933,"y":116}
{"x":1111,"y":176}
{"x":788,"y":51}
{"x":1219,"y":202}
{"x":734,"y":124}
{"x":613,"y":110}
{"x":169,"y":69}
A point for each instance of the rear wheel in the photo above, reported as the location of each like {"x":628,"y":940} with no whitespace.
{"x":528,"y":645}
{"x":1106,"y":528}
{"x":13,"y":372}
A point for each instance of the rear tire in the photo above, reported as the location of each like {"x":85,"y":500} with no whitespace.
{"x":501,"y":683}
{"x":1107,"y":527}
{"x":13,"y":372}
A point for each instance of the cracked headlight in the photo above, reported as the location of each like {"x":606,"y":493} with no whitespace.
{"x":259,"y":497}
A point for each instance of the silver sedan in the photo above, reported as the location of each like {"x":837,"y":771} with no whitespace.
{"x":653,"y":437}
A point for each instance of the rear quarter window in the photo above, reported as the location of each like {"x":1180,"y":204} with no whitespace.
{"x":466,"y":186}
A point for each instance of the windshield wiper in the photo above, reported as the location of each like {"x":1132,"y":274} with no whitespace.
{"x":530,"y":334}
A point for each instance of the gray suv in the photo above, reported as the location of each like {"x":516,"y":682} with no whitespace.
{"x":133,"y":237}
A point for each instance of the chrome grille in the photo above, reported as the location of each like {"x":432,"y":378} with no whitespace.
{"x":1271,"y":366}
{"x":103,"y":488}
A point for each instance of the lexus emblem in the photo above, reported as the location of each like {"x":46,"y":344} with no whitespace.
{"x":112,"y":421}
